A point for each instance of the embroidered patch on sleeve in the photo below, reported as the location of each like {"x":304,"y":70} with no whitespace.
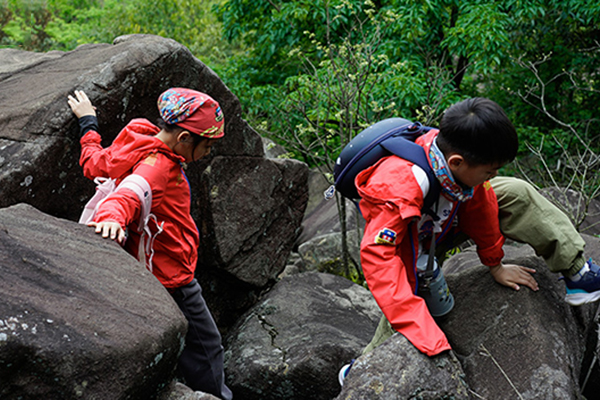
{"x":150,"y":160}
{"x":386,"y":236}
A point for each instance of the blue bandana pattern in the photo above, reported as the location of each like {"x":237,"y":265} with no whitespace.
{"x":450,"y":189}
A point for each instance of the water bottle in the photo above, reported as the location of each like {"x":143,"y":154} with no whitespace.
{"x":433,"y":288}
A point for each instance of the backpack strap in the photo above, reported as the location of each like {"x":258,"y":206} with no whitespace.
{"x":140,"y":186}
{"x":410,"y":151}
{"x":104,"y":187}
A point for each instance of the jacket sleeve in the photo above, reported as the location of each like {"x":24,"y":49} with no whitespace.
{"x":389,"y":278}
{"x":94,"y":159}
{"x":123,"y":206}
{"x":478,"y":218}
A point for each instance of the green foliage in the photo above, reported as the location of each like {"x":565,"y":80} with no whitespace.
{"x":43,"y":25}
{"x":316,"y":72}
{"x":336,"y":267}
{"x":35,"y":25}
{"x":436,"y":51}
{"x":414,"y":56}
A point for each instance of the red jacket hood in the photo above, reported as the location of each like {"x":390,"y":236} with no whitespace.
{"x":134,"y":143}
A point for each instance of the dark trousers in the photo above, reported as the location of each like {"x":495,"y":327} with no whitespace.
{"x":201,"y":362}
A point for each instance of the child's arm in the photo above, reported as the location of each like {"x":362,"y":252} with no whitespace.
{"x":478,"y":218}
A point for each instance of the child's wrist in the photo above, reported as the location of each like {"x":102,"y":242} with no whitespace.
{"x":87,"y":123}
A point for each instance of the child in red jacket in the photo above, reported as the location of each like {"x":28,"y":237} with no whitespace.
{"x":191,"y":123}
{"x":475,"y":139}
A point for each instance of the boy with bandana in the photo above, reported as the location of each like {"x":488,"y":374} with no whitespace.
{"x":475,"y":139}
{"x":191,"y":123}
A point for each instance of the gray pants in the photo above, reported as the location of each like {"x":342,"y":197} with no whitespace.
{"x":201,"y":362}
{"x":527,"y":217}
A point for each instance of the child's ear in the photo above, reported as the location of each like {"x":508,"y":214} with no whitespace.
{"x":183,"y":136}
{"x":455,"y":161}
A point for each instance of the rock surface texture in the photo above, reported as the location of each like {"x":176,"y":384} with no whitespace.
{"x":293,"y":342}
{"x":79,"y":317}
{"x":506,"y":344}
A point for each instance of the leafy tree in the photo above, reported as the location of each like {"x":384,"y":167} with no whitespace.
{"x":476,"y":43}
{"x":42,"y":25}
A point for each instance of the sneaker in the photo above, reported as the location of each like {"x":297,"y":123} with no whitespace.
{"x":586,"y":289}
{"x":344,"y":372}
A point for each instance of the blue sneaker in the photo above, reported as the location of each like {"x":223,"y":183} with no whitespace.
{"x":344,"y":372}
{"x":586,"y":289}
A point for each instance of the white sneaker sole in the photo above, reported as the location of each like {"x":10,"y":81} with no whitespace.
{"x":577,"y":299}
{"x":342,"y":373}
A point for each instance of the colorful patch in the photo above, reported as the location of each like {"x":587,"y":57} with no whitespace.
{"x":386,"y":236}
{"x":218,"y":115}
{"x":487,"y":185}
{"x":150,"y":160}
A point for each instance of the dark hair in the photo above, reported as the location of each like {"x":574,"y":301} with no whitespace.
{"x":479,"y":130}
{"x":175,"y":129}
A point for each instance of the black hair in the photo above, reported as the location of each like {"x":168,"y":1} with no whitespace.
{"x":479,"y":130}
{"x":175,"y":129}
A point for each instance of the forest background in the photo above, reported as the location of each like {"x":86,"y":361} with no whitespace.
{"x":311,"y":74}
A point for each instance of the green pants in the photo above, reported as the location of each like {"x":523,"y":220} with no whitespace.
{"x":527,"y":217}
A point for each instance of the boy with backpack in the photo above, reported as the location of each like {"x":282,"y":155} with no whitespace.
{"x":191,"y":122}
{"x":475,"y":139}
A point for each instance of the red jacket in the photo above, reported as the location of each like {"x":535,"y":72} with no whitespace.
{"x":136,"y":150}
{"x":392,"y":199}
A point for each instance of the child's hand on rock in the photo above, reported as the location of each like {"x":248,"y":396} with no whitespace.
{"x":81,"y":104}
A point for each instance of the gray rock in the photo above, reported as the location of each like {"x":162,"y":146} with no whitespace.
{"x":39,"y":149}
{"x":324,"y":219}
{"x":317,"y":184}
{"x":509,"y":344}
{"x":178,"y":391}
{"x":324,"y":253}
{"x":272,"y":149}
{"x":523,"y":343}
{"x":79,"y":317}
{"x":292,"y":344}
{"x":253,"y":208}
{"x":397,"y":370}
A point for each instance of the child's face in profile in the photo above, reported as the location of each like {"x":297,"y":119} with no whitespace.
{"x":201,"y":150}
{"x":472,"y":175}
{"x":194,"y":148}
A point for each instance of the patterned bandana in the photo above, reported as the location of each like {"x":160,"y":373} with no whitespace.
{"x":195,"y":111}
{"x":450,"y":189}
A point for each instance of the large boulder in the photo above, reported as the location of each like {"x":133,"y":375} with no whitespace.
{"x":79,"y":317}
{"x":253,"y":209}
{"x":39,"y":149}
{"x":397,"y":370}
{"x":293,"y":342}
{"x":324,"y":253}
{"x":521,"y":344}
{"x":249,"y":207}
